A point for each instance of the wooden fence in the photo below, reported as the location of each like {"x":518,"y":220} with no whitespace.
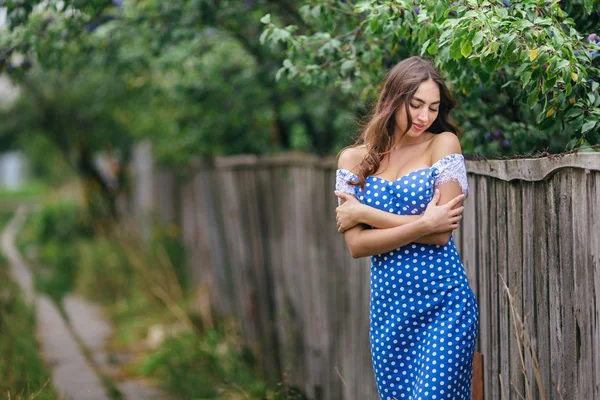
{"x":261,"y":232}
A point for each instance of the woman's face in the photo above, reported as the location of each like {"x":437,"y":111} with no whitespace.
{"x":424,"y":108}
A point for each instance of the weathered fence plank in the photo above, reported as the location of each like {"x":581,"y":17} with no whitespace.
{"x":515,"y":281}
{"x":265,"y":227}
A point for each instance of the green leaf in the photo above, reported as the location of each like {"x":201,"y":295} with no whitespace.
{"x":455,"y":50}
{"x":572,"y":113}
{"x":466,"y":48}
{"x":595,"y":86}
{"x":571,"y":144}
{"x":433,"y":48}
{"x":424,"y":47}
{"x":477,"y":38}
{"x":266,"y":19}
{"x":439,"y":10}
{"x":347,"y":65}
{"x":532,"y":99}
{"x":588,"y":126}
{"x":578,"y":122}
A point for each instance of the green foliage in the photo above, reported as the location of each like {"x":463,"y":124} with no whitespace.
{"x":191,"y":75}
{"x":54,"y":233}
{"x":167,"y":245}
{"x":212,"y":366}
{"x":104,"y":275}
{"x":62,"y":221}
{"x":529,"y":56}
{"x":24,"y":376}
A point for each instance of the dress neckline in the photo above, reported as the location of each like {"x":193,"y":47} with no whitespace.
{"x":408,"y":173}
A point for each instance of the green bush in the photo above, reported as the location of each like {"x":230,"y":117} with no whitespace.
{"x":62,"y":221}
{"x":22,"y":372}
{"x":57,"y":269}
{"x":104,"y":274}
{"x":212,"y":366}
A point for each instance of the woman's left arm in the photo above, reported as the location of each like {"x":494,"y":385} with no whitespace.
{"x":352,"y":212}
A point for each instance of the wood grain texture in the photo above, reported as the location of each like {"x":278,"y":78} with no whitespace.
{"x":265,"y":228}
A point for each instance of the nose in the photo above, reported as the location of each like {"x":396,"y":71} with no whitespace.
{"x":423,"y":117}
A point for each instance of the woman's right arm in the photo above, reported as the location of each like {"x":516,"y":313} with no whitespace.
{"x":364,"y":242}
{"x":367,"y":242}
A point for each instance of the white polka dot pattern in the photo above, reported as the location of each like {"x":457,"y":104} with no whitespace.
{"x":423,"y":314}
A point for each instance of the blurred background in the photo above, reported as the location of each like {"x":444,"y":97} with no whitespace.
{"x":110,"y":111}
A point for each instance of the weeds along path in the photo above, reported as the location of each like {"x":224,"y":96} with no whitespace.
{"x":73,"y":347}
{"x":72,"y":376}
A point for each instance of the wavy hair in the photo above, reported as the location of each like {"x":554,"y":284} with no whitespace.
{"x":399,"y":87}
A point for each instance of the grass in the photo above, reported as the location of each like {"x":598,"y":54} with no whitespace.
{"x":24,"y":375}
{"x":144,"y":289}
{"x":29,"y":193}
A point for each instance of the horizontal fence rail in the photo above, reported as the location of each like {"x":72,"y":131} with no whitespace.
{"x":261,"y":233}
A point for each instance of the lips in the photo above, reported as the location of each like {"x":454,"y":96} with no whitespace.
{"x":418,"y":127}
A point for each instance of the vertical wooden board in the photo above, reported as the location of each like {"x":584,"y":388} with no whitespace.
{"x":594,"y":207}
{"x":318,"y":325}
{"x":554,"y":292}
{"x":470,"y":240}
{"x":504,"y":328}
{"x":187,"y":227}
{"x":529,"y":310}
{"x":234,"y":228}
{"x":245,"y":277}
{"x":568,"y":368}
{"x":268,"y":201}
{"x":541,"y":265}
{"x":208,"y":189}
{"x":290,"y":362}
{"x":319,"y":280}
{"x":211,"y":190}
{"x":492,"y":331}
{"x":582,"y":274}
{"x":364,"y":337}
{"x":457,"y":237}
{"x":515,"y":277}
{"x":477,"y":386}
{"x":206,"y":271}
{"x":260,"y":272}
{"x":294,"y":283}
{"x":310,"y":288}
{"x":483,"y":274}
{"x":332,"y":275}
{"x":334,"y":249}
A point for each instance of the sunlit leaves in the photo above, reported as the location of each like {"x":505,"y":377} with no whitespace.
{"x":532,"y":44}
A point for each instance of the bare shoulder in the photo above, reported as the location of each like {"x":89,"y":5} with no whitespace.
{"x":443,"y":144}
{"x":351,"y":157}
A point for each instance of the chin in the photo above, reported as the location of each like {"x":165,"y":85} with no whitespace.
{"x":415,"y":134}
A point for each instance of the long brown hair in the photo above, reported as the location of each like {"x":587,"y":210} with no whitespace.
{"x":399,"y":87}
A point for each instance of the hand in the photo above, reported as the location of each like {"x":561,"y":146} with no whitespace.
{"x":348,"y":214}
{"x":443,"y":218}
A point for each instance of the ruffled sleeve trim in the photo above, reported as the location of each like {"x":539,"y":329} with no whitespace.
{"x":451,"y":168}
{"x":342,"y":177}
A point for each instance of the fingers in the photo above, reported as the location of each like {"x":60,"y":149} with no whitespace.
{"x":456,"y":219}
{"x":342,"y":195}
{"x":455,"y":200}
{"x":436,"y":196}
{"x":457,"y":211}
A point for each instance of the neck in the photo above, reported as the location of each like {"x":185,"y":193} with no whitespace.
{"x":402,"y":141}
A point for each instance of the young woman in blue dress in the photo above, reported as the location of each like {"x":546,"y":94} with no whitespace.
{"x":400,"y":189}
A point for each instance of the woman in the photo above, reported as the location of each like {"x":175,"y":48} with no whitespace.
{"x":405,"y":178}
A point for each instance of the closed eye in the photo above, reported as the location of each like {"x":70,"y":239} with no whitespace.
{"x":413,"y":106}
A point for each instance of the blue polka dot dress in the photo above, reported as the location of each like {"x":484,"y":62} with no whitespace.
{"x":423,"y":314}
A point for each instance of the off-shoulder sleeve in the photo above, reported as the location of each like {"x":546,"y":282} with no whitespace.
{"x":451,"y":168}
{"x":342,"y":177}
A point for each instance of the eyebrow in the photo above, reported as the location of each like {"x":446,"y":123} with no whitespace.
{"x":423,"y":101}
